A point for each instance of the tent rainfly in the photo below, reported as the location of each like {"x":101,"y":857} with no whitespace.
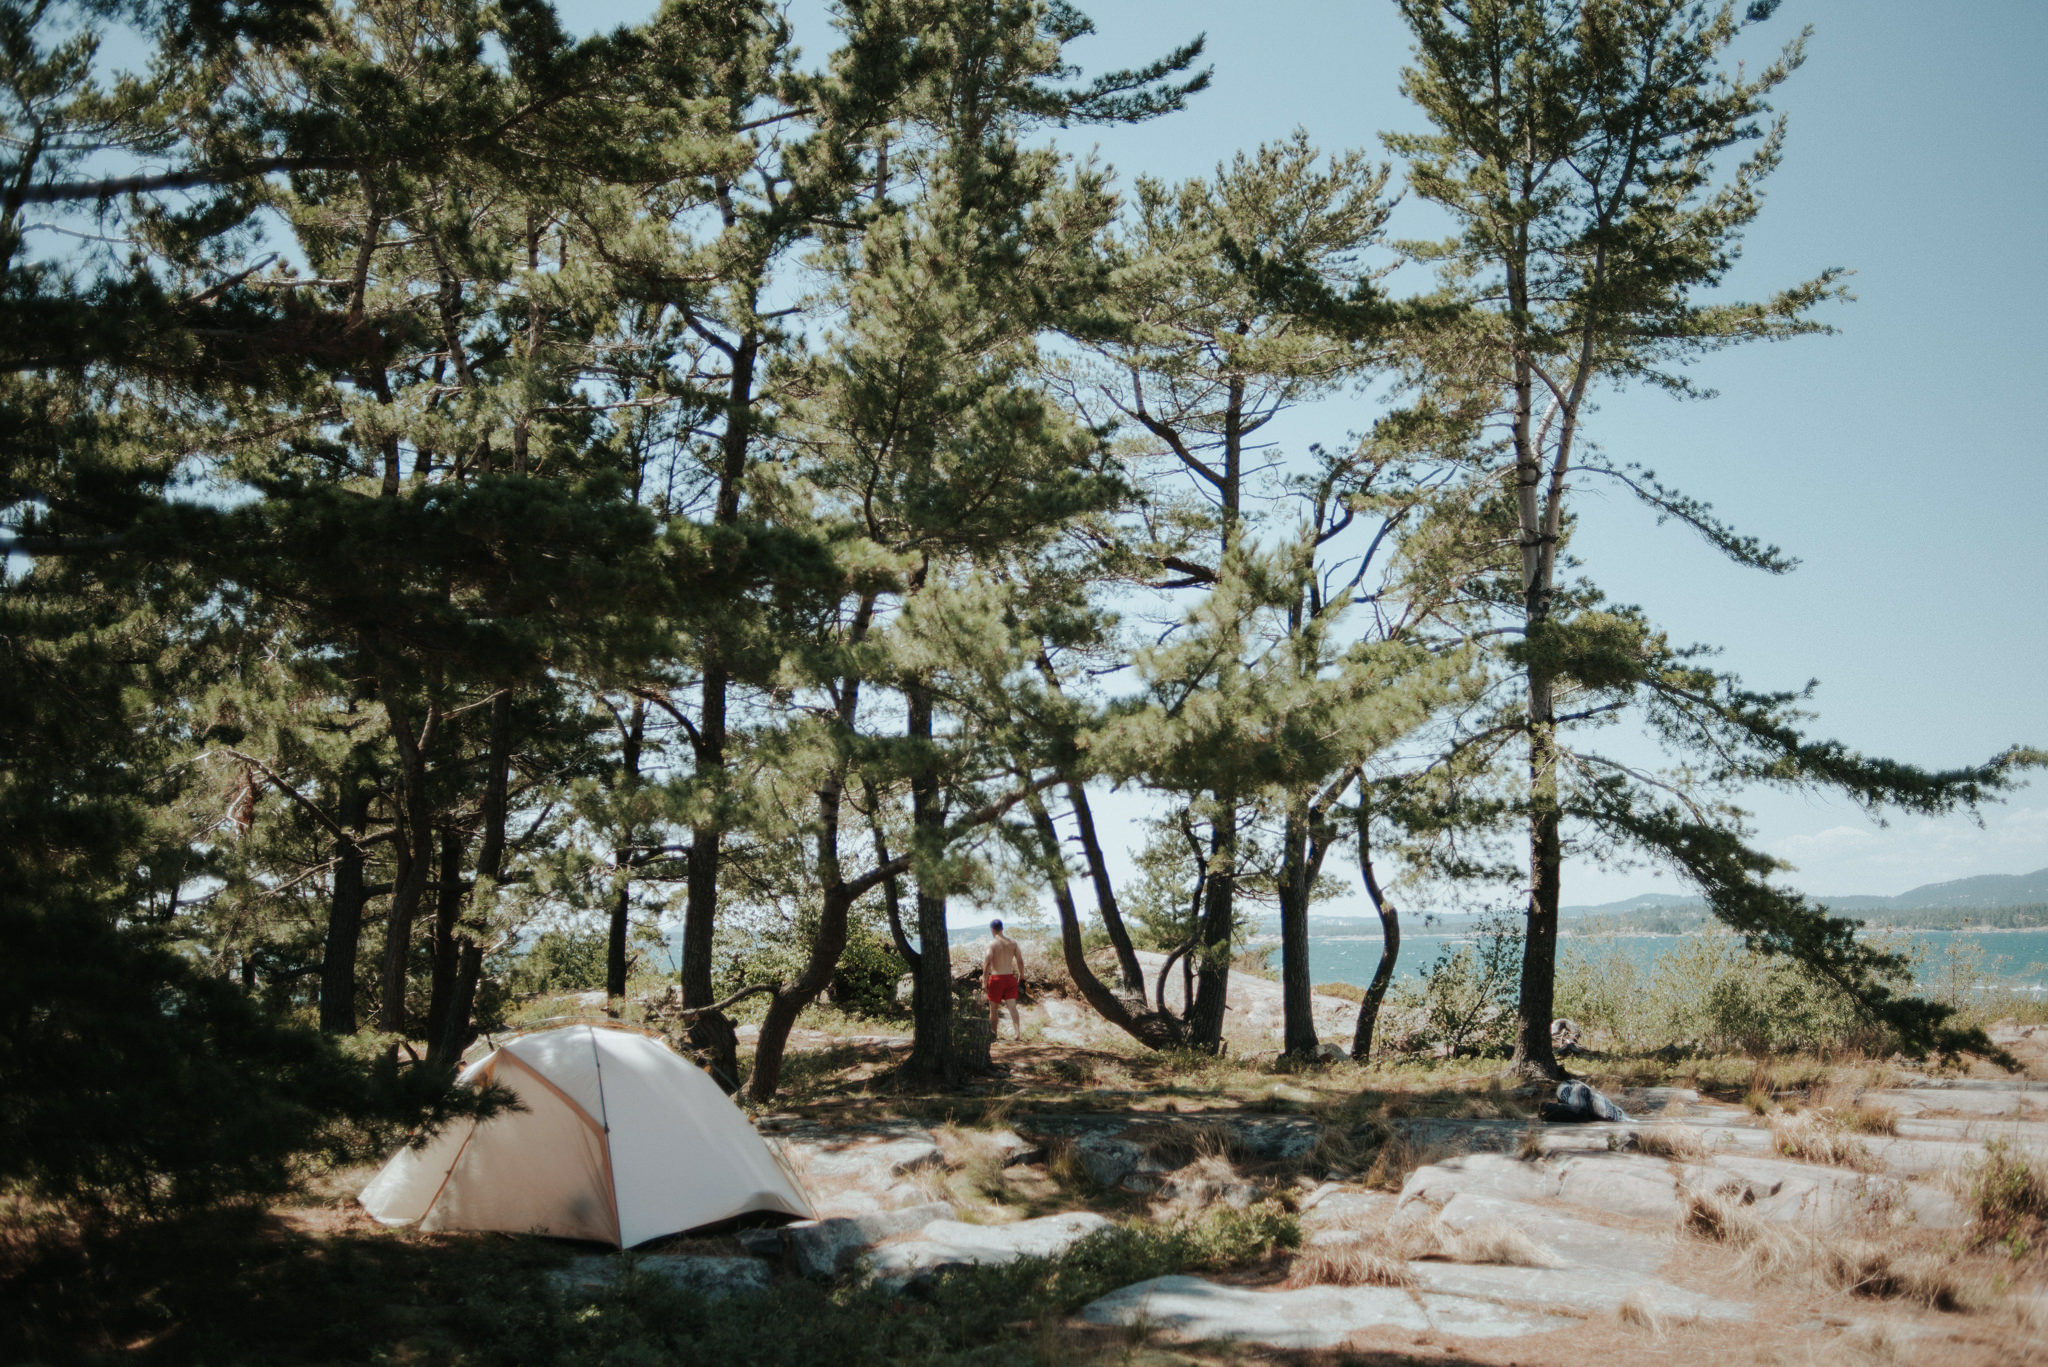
{"x":621,"y":1140}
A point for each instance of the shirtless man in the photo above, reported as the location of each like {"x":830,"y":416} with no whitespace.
{"x":1001,"y":971}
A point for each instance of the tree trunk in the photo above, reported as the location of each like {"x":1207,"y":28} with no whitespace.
{"x":1212,"y":972}
{"x":700,"y":916}
{"x":932,"y":1058}
{"x":414,"y":863}
{"x":1152,"y":1029}
{"x":453,"y":1033}
{"x":446,"y":1048}
{"x":892,"y":888}
{"x":447,"y":950}
{"x":1297,"y":876}
{"x":1533,"y":1054}
{"x":413,"y":841}
{"x":1105,"y":894}
{"x":622,"y":894}
{"x":344,"y":918}
{"x":1390,"y":945}
{"x":790,"y":1000}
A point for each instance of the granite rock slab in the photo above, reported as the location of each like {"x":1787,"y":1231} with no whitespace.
{"x":1311,"y":1317}
{"x":947,"y":1243}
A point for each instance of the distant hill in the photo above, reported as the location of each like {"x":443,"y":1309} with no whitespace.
{"x":1985,"y":891}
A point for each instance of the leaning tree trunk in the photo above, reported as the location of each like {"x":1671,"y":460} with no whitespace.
{"x":1390,"y":943}
{"x":1105,"y":894}
{"x":1154,"y":1029}
{"x":344,"y":917}
{"x":1212,"y":953}
{"x":790,"y":999}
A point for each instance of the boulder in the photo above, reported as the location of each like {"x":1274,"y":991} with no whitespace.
{"x":712,"y":1278}
{"x":826,"y":1247}
{"x":870,"y":1160}
{"x":1816,"y":1198}
{"x":1199,"y":1187}
{"x":1279,"y":1138}
{"x":1576,"y":1103}
{"x":1106,"y":1159}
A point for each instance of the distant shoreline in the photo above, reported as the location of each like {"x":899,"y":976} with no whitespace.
{"x":1566,"y":932}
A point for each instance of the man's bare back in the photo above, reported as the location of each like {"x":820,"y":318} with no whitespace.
{"x":1002,"y":973}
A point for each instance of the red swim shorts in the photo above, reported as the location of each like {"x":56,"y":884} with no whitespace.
{"x":1002,"y":987}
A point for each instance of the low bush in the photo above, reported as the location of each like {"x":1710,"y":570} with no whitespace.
{"x":1464,"y":1003}
{"x":2008,"y":1189}
{"x":1710,"y":994}
{"x":560,"y":961}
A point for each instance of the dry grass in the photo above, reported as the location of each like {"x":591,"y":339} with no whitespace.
{"x":1378,"y":1252}
{"x":974,"y":1167}
{"x":1175,"y":1145}
{"x":1821,"y":1137}
{"x":1775,"y":1254}
{"x":1636,"y":1310}
{"x":1668,"y":1140}
{"x":1495,"y":1242}
{"x":1870,"y":1118}
{"x":1063,"y":1165}
{"x":1351,"y":1264}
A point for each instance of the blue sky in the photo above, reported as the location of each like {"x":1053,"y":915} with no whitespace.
{"x":1902,"y":460}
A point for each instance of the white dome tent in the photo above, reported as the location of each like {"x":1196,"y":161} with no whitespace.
{"x":622,"y":1140}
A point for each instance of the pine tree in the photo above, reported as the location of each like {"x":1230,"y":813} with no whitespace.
{"x":1575,"y":144}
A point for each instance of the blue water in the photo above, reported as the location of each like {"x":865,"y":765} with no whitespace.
{"x":2012,"y":958}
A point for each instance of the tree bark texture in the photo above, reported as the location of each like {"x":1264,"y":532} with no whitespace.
{"x":932,"y":1058}
{"x":622,"y":892}
{"x":700,"y":916}
{"x":1390,"y":945}
{"x":1105,"y":894}
{"x":344,"y":917}
{"x":454,"y":1033}
{"x":1155,"y":1030}
{"x":1212,"y":951}
{"x":1533,"y":1051}
{"x":447,"y":953}
{"x":1298,"y":860}
{"x":415,"y":850}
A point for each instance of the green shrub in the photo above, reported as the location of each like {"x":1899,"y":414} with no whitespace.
{"x":561,"y":961}
{"x":868,"y":973}
{"x":965,"y":1313}
{"x":1465,"y":1001}
{"x":1709,"y":993}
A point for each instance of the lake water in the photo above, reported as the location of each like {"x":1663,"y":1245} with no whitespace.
{"x":2012,"y":958}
